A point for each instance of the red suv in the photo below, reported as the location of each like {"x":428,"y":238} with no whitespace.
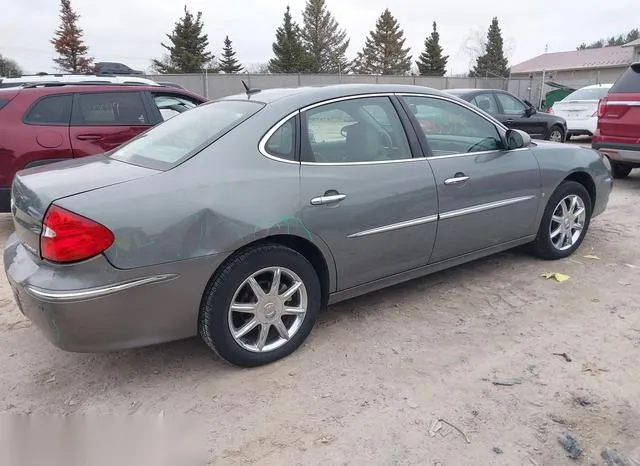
{"x":47,"y":123}
{"x":618,"y":133}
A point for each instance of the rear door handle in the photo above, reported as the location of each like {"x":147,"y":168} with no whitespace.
{"x":510,"y":122}
{"x":331,"y":199}
{"x":88,"y":137}
{"x":458,"y":178}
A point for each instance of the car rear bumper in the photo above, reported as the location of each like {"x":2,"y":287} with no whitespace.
{"x":158,"y":305}
{"x":623,"y":153}
{"x":582,"y":126}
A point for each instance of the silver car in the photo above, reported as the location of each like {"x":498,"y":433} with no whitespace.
{"x":241,"y":219}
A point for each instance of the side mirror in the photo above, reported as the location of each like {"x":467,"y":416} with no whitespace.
{"x":530,"y":111}
{"x":517,"y":139}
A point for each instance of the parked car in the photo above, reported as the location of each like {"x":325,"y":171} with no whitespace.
{"x":107,"y":67}
{"x":515,"y":113}
{"x":48,"y":123}
{"x":228,"y":221}
{"x":43,"y":78}
{"x":580,"y":109}
{"x":618,"y":133}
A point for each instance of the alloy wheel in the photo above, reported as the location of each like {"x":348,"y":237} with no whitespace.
{"x":567,"y":222}
{"x":267,"y":309}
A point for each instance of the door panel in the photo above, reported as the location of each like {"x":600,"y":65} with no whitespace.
{"x":513,"y":115}
{"x":374,"y":205}
{"x":103,"y":121}
{"x":487,"y":196}
{"x":497,"y":204}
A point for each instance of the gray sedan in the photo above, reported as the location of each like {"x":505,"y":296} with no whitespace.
{"x":241,"y":219}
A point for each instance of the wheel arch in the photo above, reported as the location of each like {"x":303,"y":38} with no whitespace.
{"x":585,"y":180}
{"x":323,"y":265}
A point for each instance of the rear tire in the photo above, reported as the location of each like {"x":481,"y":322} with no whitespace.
{"x":619,"y":171}
{"x":561,"y":231}
{"x":249,"y":327}
{"x":556,"y":134}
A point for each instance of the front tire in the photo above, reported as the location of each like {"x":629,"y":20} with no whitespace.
{"x":620,"y":171}
{"x":564,"y":223}
{"x":260,"y":306}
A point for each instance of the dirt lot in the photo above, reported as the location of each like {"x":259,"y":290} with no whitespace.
{"x":378,"y":370}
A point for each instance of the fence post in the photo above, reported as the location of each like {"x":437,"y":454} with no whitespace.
{"x":249,"y":80}
{"x":446,"y":82}
{"x":414,"y":79}
{"x":299,"y":82}
{"x":475,"y":82}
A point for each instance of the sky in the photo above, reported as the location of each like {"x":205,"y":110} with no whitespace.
{"x":130,"y":31}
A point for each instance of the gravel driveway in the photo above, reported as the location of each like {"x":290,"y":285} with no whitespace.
{"x":378,"y":372}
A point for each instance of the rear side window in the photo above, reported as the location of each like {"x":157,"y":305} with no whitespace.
{"x":184,"y":135}
{"x":628,"y":83}
{"x":171,"y":105}
{"x":282,"y":142}
{"x":110,"y":108}
{"x":51,"y":110}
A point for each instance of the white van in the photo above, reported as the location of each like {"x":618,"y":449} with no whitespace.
{"x":74,"y":78}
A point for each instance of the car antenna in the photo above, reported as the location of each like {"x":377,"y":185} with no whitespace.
{"x":248,"y":90}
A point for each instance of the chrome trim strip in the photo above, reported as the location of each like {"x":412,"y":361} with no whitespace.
{"x":466,"y":154}
{"x":395,"y":226}
{"x":263,"y":142}
{"x":373,"y":162}
{"x":79,"y":295}
{"x":624,"y":103}
{"x":483,"y":207}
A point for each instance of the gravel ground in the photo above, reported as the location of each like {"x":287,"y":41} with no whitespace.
{"x":378,"y":371}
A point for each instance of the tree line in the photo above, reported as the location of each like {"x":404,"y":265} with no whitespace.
{"x":317,"y":45}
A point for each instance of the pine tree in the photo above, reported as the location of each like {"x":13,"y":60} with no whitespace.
{"x":383,"y":52}
{"x":632,"y":35}
{"x":188,"y":50}
{"x":72,"y":52}
{"x":9,"y":68}
{"x":290,"y":56}
{"x":323,"y":39}
{"x":493,"y":63}
{"x":431,"y":61}
{"x":229,"y":63}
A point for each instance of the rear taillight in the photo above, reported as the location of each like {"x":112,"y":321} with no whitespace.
{"x":550,"y":110}
{"x":68,"y":237}
{"x":602,"y":108}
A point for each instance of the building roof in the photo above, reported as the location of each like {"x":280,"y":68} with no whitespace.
{"x":635,"y":43}
{"x":605,"y":57}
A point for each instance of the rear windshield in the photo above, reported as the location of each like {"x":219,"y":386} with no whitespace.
{"x":182,"y":136}
{"x":628,"y":83}
{"x":593,"y":93}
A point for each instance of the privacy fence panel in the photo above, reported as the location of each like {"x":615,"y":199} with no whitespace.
{"x":220,"y":85}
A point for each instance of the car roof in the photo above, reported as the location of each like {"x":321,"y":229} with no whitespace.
{"x":596,"y":86}
{"x":302,"y":96}
{"x":89,"y":88}
{"x":78,"y":78}
{"x":474,"y":91}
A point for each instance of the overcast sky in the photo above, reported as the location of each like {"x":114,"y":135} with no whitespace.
{"x":130,"y":31}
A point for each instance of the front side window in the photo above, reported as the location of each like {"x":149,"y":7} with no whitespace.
{"x":174,"y":141}
{"x":171,"y":105}
{"x":451,"y":128}
{"x":51,"y":110}
{"x":111,"y":108}
{"x":282,"y":142}
{"x":510,"y":105}
{"x":367,"y":129}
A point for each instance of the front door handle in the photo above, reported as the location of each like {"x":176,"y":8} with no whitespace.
{"x":458,"y":178}
{"x":88,"y":137}
{"x":330,"y":199}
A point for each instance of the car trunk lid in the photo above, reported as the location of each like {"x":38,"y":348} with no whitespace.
{"x":35,"y":189}
{"x":575,"y":109}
